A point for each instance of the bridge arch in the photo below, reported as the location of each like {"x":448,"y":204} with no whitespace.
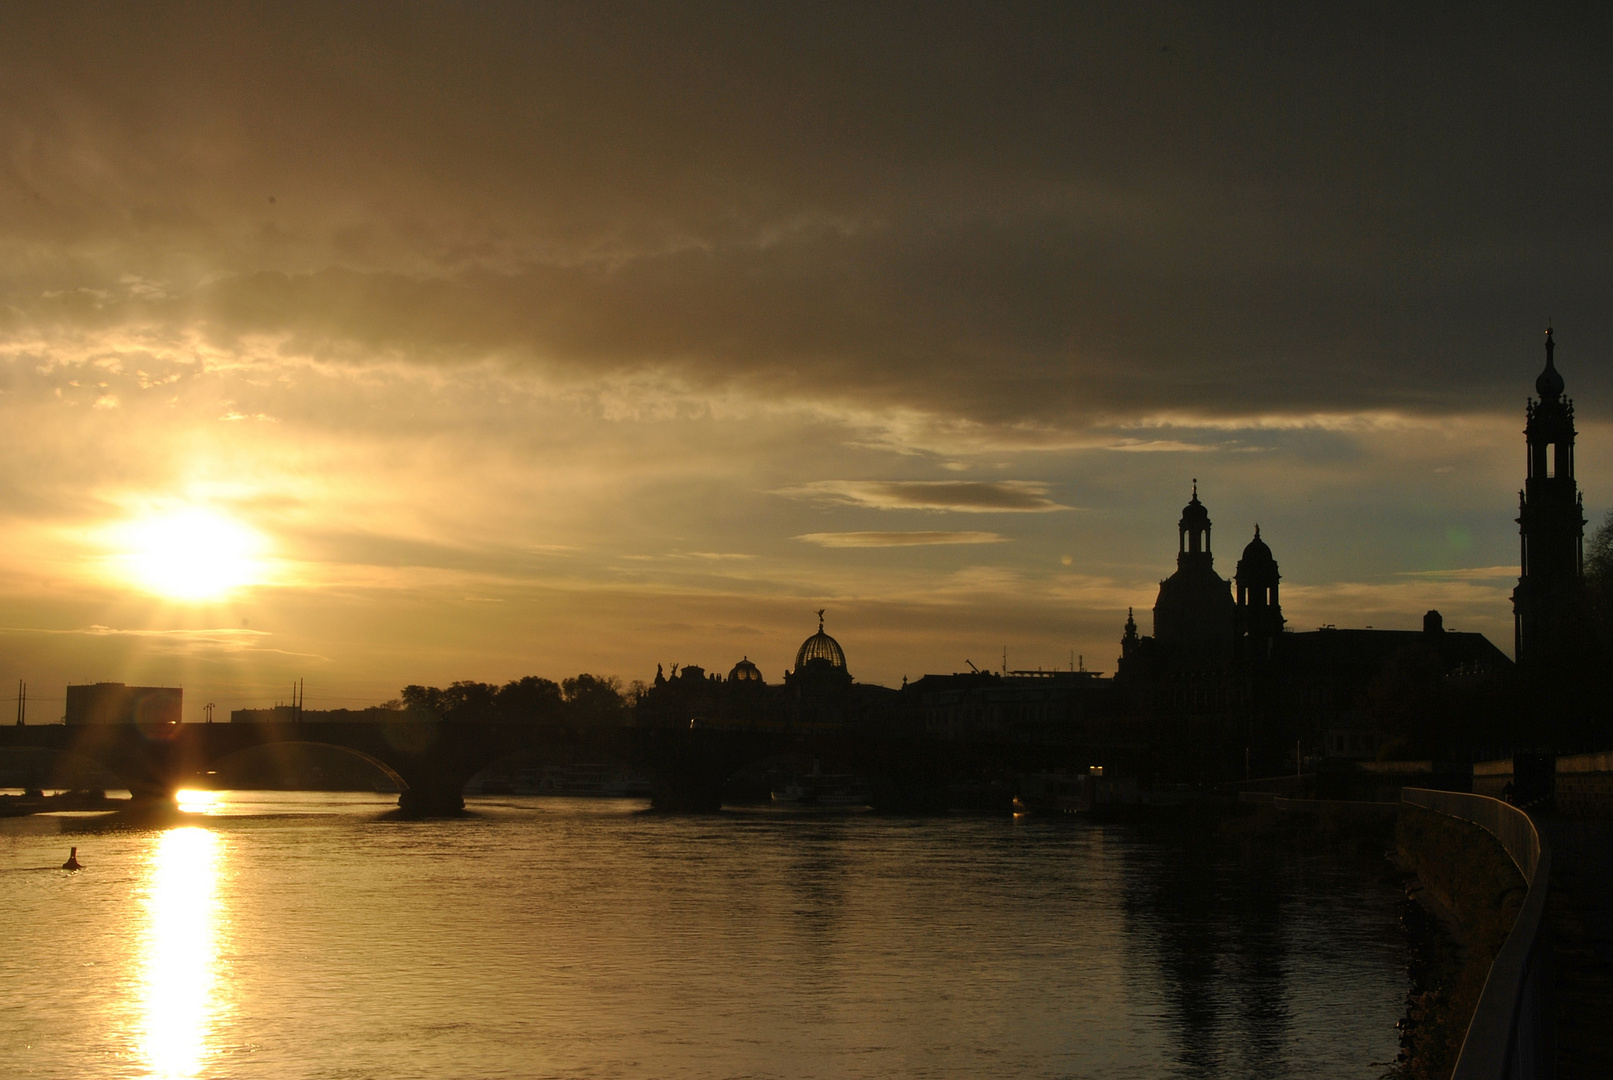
{"x":63,"y":768}
{"x":275,"y":753}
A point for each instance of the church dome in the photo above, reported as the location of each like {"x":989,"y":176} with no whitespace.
{"x":1195,"y":511}
{"x":1550,"y":384}
{"x":820,"y":646}
{"x":1257,"y":552}
{"x":745,"y":671}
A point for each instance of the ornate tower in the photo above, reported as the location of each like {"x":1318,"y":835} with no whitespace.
{"x":1548,"y":605}
{"x":1259,"y":615}
{"x":1193,"y":534}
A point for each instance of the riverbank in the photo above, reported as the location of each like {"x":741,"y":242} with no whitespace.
{"x":36,"y":802}
{"x":1472,"y":891}
{"x":1462,"y":892}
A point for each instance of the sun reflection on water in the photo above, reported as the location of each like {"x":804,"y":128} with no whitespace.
{"x":195,"y":801}
{"x":180,"y":952}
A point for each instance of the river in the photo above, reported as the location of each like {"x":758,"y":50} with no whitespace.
{"x":278,"y":934}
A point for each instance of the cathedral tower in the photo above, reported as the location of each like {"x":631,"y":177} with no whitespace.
{"x":1193,"y":616}
{"x":1548,"y":605}
{"x":1259,"y":615}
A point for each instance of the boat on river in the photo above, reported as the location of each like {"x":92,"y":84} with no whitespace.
{"x":1091,"y":792}
{"x":822,"y":790}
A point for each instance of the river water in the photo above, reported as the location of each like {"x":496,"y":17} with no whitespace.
{"x":309,"y":935}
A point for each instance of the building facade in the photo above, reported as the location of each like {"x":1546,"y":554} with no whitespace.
{"x":115,"y":703}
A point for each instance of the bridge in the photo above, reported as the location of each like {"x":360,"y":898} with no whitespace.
{"x":687,"y":764}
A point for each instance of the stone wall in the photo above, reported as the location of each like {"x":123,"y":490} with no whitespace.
{"x":1584,"y":785}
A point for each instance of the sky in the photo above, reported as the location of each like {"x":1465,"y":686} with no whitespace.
{"x":386,"y":344}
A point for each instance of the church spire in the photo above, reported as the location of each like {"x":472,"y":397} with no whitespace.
{"x":1550,"y":384}
{"x":1551,"y":527}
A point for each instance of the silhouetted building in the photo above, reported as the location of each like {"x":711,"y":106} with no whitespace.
{"x":818,"y":693}
{"x":820,"y":666}
{"x":1549,"y":604}
{"x":1325,"y":672}
{"x":1186,"y":666}
{"x":1193,"y":616}
{"x":115,"y":703}
{"x":1240,"y":689}
{"x":746,"y":672}
{"x":1258,"y":621}
{"x":1018,"y":706}
{"x":1131,"y":648}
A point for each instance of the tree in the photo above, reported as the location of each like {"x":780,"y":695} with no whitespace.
{"x":594,"y":699}
{"x":423,"y":699}
{"x":462,"y":702}
{"x":586,"y":699}
{"x":1599,"y":580}
{"x":469,"y":703}
{"x":527,"y":700}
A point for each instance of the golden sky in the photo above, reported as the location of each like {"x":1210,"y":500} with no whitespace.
{"x":413,"y":343}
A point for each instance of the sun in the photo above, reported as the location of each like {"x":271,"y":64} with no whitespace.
{"x":192,"y":554}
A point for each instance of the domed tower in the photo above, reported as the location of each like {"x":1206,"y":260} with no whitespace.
{"x":1548,"y":604}
{"x":1259,"y":615}
{"x":1129,"y":641}
{"x":746,"y":673}
{"x":820,"y":656}
{"x":820,"y":686}
{"x":1193,"y":616}
{"x":1193,"y":532}
{"x":745,"y":693}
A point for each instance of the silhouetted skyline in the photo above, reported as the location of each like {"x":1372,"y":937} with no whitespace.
{"x":378,"y":347}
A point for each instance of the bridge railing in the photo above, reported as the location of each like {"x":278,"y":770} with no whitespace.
{"x":1511,"y":1034}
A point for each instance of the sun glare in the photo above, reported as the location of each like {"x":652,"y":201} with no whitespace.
{"x":197,"y":802}
{"x":191,"y":554}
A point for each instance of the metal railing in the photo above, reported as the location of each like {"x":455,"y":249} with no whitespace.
{"x":1511,"y":1034}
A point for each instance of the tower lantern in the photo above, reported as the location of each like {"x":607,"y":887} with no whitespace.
{"x":1193,"y":530}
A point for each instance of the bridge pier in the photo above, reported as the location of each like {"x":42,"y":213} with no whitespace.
{"x":687,"y":770}
{"x":432,"y":794}
{"x":687,"y":795}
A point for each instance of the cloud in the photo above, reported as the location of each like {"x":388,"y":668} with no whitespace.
{"x":226,"y":639}
{"x":1475,"y":573}
{"x":105,"y":631}
{"x":981,"y":496}
{"x":898,"y":539}
{"x":843,"y":206}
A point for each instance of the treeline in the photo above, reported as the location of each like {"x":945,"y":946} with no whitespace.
{"x":585,"y":699}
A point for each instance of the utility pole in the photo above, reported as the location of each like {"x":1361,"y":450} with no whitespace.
{"x":208,"y":709}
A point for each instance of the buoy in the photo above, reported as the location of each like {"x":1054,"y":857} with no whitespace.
{"x":72,"y":861}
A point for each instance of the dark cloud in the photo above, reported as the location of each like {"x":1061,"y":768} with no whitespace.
{"x":999,"y":212}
